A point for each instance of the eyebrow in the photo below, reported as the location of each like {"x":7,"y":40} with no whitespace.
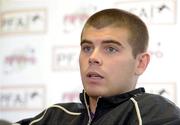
{"x":86,"y":41}
{"x":112,"y":42}
{"x":104,"y":42}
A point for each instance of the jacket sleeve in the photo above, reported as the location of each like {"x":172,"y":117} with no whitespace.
{"x":175,"y":122}
{"x":169,"y":121}
{"x":157,"y":110}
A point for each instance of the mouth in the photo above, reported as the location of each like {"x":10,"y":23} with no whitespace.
{"x":94,"y":75}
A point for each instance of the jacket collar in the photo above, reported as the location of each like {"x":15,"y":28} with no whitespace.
{"x":112,"y":100}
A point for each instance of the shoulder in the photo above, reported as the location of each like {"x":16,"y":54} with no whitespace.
{"x":154,"y":106}
{"x":67,"y":107}
{"x":68,"y":110}
{"x":72,"y":109}
{"x":154,"y":99}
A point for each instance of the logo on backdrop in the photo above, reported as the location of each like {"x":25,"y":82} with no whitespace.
{"x":22,"y":97}
{"x":65,"y":58}
{"x":156,"y":51}
{"x":72,"y":96}
{"x":75,"y":19}
{"x":153,"y":12}
{"x":167,"y":90}
{"x":18,"y":60}
{"x":23,"y":21}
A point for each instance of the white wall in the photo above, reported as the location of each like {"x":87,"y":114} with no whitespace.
{"x":39,"y":47}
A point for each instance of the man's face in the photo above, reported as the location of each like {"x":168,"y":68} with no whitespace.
{"x":107,"y":65}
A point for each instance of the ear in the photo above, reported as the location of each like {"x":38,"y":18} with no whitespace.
{"x":142,"y":62}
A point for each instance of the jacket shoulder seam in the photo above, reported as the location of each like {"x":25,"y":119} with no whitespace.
{"x":65,"y":110}
{"x":54,"y":106}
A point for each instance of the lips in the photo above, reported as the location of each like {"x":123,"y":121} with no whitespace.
{"x":94,"y":75}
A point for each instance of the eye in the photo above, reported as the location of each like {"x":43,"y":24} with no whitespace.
{"x":86,"y":48}
{"x":111,"y":49}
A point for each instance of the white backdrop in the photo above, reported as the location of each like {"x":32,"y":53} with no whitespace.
{"x":39,"y":47}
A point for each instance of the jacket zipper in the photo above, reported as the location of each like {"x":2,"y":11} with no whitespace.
{"x":87,"y":107}
{"x":89,"y":122}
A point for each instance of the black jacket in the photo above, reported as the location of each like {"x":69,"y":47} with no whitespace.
{"x":131,"y":108}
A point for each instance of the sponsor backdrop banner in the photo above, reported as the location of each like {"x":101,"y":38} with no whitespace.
{"x":39,"y":50}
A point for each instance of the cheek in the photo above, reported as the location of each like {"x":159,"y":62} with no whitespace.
{"x":81,"y":59}
{"x":83,"y":62}
{"x":121,"y":68}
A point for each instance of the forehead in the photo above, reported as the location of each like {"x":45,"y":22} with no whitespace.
{"x":93,"y":34}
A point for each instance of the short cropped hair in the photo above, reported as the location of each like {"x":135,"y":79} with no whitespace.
{"x":118,"y":18}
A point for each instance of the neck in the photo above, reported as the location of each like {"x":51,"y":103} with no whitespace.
{"x":93,"y":103}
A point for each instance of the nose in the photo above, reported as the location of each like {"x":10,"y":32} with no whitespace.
{"x":95,"y":58}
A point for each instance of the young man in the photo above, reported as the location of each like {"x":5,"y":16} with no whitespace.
{"x":113,"y":55}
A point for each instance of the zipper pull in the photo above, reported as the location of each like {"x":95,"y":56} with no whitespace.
{"x":89,"y":122}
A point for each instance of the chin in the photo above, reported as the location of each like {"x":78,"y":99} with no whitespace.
{"x":94,"y":93}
